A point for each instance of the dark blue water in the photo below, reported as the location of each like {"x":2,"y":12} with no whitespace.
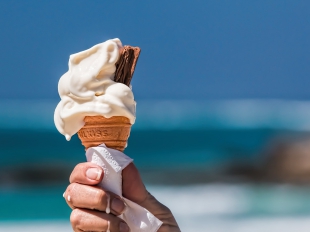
{"x":19,"y":147}
{"x":35,"y":164}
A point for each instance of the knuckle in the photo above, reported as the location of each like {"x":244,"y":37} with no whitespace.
{"x":75,"y":170}
{"x":101,"y":197}
{"x":168,"y":210}
{"x":71,"y":187}
{"x":78,"y":166}
{"x":75,"y":218}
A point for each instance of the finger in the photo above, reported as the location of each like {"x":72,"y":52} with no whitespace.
{"x":86,"y":173}
{"x":133,"y":187}
{"x":89,"y":220}
{"x":93,"y":197}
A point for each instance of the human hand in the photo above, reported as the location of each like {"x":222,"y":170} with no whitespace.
{"x":89,"y":202}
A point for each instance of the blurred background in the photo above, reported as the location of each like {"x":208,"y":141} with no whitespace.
{"x":223,"y":112}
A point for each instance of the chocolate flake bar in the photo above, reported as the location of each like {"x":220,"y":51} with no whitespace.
{"x":126,"y":64}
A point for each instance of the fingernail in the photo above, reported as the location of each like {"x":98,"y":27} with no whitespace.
{"x":123,"y":227}
{"x":94,"y":173}
{"x":118,"y":205}
{"x":64,"y":194}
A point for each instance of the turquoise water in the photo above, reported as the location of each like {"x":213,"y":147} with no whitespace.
{"x":204,"y":207}
{"x":34,"y":171}
{"x":35,"y":203}
{"x":36,"y":156}
{"x":183,"y":157}
{"x":147,"y":146}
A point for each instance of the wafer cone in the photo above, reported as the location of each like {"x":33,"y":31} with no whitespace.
{"x":113,"y":132}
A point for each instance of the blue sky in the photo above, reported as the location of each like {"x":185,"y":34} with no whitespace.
{"x":190,"y":49}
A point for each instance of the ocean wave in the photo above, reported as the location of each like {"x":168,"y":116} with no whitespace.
{"x":283,"y":224}
{"x":177,"y":114}
{"x":213,"y":207}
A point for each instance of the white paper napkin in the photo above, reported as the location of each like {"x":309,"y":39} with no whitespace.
{"x":113,"y":162}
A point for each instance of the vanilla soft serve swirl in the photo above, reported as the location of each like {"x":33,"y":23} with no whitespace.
{"x":88,"y":89}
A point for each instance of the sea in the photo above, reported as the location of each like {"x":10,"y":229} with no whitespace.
{"x":187,"y":153}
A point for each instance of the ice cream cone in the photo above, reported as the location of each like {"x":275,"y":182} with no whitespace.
{"x":81,"y":94}
{"x":113,"y":132}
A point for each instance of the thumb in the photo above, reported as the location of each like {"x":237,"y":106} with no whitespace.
{"x":134,"y":190}
{"x":133,"y":187}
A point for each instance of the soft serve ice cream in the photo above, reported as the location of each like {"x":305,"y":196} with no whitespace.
{"x":89,"y":89}
{"x":102,"y":110}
